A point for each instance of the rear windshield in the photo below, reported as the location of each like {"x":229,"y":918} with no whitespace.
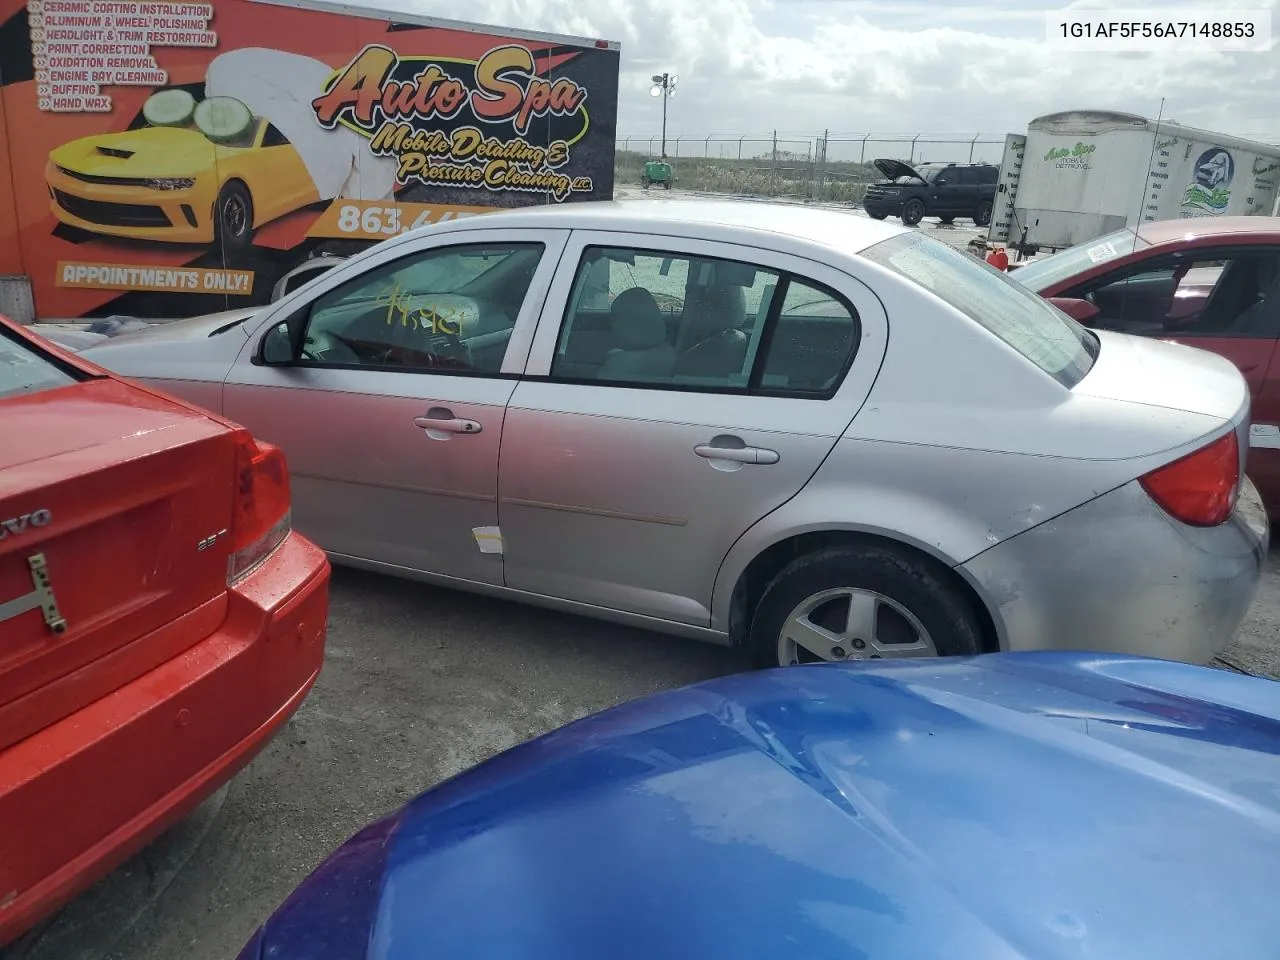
{"x":23,"y":370}
{"x":1039,"y":331}
{"x":1043,"y":273}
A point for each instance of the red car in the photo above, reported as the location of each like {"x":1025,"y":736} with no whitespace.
{"x":159,"y":621}
{"x":1211,"y":282}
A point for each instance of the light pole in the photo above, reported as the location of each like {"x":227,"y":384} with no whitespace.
{"x":664,"y":86}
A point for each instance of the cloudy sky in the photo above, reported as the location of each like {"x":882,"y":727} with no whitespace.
{"x":886,"y":67}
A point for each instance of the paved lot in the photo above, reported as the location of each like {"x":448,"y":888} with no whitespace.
{"x":420,"y":683}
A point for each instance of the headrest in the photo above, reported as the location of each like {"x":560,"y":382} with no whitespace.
{"x":636,"y":321}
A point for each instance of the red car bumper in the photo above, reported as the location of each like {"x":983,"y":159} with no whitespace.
{"x":82,"y":795}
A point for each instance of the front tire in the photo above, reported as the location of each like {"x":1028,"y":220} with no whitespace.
{"x":233,"y":219}
{"x":855,"y":603}
{"x":982,"y":216}
{"x":912,"y":212}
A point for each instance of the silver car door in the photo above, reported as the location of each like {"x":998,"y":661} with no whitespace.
{"x":691,"y":388}
{"x":386,"y":389}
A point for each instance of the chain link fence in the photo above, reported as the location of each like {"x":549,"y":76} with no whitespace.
{"x":829,"y":169}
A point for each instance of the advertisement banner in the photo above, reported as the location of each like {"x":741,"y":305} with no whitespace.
{"x":167,"y":159}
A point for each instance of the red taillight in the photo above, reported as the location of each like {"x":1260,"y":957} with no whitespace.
{"x":260,"y":520}
{"x":1201,"y":488}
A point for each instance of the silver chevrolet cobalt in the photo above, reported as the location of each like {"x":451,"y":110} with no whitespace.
{"x":817,"y":435}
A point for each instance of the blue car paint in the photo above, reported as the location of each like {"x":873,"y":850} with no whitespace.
{"x":1028,"y":805}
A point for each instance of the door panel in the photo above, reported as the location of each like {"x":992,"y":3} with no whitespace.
{"x":368,"y":480}
{"x":629,"y":496}
{"x":393,"y":458}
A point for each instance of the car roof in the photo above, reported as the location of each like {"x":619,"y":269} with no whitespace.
{"x":838,"y":229}
{"x":987,"y":805}
{"x":1171,"y":231}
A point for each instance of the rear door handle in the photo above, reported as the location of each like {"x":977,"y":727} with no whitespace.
{"x":738,"y":454}
{"x":448,"y":424}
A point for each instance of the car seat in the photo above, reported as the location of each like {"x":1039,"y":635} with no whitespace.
{"x":640,"y":333}
{"x":712,"y":341}
{"x":1252,"y":318}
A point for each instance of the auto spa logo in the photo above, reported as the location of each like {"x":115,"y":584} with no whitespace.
{"x":1071,"y":158}
{"x":468,"y":131}
{"x":1209,"y":191}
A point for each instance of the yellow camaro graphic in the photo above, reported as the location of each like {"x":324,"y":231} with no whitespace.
{"x":211,"y":170}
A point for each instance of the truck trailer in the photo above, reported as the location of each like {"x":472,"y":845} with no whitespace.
{"x":166,"y":158}
{"x":1080,"y":174}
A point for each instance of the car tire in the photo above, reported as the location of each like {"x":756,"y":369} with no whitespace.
{"x":645,"y":181}
{"x":233,"y":218}
{"x":914,"y":606}
{"x":982,"y":216}
{"x":912,"y":212}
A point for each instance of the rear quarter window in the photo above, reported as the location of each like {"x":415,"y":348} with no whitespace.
{"x":25,"y":370}
{"x":1046,"y":336}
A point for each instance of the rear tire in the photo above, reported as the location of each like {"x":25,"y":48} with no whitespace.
{"x":914,"y":608}
{"x":912,"y":212}
{"x":982,"y":216}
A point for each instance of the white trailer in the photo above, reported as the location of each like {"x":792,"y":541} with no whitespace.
{"x":1078,"y":175}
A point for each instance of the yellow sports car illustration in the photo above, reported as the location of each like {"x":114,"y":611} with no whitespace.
{"x":213,"y":169}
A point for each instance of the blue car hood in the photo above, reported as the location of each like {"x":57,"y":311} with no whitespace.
{"x":1034,"y":805}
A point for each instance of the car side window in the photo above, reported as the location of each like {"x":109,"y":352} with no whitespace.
{"x":652,"y":319}
{"x":989,"y":175}
{"x":1226,"y":296}
{"x":447,"y":310}
{"x":968,"y":176}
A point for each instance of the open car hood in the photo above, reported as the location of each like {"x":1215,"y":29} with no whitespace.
{"x":896,"y":169}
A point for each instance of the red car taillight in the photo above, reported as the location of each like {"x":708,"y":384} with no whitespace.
{"x":261,"y":518}
{"x":1201,"y":488}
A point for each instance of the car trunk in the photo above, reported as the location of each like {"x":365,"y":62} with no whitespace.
{"x":109,"y":501}
{"x":1157,"y":373}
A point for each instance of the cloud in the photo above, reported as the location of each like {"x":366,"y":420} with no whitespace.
{"x":748,"y":67}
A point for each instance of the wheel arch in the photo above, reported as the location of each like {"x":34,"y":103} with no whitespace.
{"x":750,"y":583}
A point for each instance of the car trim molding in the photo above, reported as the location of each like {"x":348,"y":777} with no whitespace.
{"x":592,"y":512}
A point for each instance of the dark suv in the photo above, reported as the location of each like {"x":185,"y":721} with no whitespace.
{"x":943,"y":190}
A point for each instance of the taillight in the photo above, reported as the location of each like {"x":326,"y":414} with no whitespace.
{"x":261,"y":518}
{"x":1201,"y":488}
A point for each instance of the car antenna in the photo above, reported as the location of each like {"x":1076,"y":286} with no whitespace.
{"x":1142,"y":201}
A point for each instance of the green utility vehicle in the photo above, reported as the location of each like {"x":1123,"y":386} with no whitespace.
{"x":659,"y":172}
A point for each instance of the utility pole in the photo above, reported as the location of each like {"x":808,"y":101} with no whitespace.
{"x":664,"y":86}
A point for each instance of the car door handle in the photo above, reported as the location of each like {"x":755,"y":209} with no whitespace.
{"x":447,"y":424}
{"x":738,"y":454}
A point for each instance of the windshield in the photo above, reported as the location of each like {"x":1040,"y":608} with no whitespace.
{"x":1041,"y":274}
{"x":1039,"y":331}
{"x":23,"y":370}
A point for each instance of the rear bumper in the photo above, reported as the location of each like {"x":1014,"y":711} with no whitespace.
{"x":87,"y":792}
{"x":1119,"y":575}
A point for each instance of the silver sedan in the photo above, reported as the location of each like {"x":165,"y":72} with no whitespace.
{"x":817,"y":435}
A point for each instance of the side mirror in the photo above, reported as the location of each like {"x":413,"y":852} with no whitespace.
{"x":276,"y":349}
{"x":1081,"y":311}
